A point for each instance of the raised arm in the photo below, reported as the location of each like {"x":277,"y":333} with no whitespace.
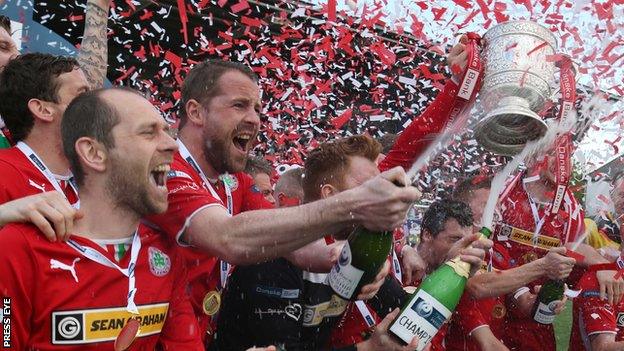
{"x":424,"y":129}
{"x":254,"y":236}
{"x":93,"y":52}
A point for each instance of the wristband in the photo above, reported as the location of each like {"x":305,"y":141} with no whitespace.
{"x":612,"y":266}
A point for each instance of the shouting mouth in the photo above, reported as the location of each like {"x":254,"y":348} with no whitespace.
{"x":158,"y":176}
{"x":242,"y":141}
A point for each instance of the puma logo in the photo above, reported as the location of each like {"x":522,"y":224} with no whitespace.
{"x":54,"y":264}
{"x":35,"y":185}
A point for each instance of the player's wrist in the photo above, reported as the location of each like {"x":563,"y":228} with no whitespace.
{"x":362,"y":346}
{"x":345,"y":207}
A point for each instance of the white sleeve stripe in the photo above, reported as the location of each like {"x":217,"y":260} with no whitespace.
{"x":602,"y":332}
{"x":187,"y":222}
{"x":479,"y":327}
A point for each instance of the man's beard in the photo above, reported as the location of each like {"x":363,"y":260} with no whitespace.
{"x":130,"y":190}
{"x":216,"y":153}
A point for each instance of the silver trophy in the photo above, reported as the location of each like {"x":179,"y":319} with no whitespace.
{"x":516,"y":85}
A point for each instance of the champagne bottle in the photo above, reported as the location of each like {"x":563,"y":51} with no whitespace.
{"x":434,"y":301}
{"x":544,"y":309}
{"x":360,"y":260}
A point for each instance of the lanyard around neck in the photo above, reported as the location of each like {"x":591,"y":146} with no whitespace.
{"x":224,"y":267}
{"x":539,"y":222}
{"x":129,"y":272}
{"x":43,"y":169}
{"x":186,"y":155}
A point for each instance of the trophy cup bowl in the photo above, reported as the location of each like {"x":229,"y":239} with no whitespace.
{"x":516,"y":85}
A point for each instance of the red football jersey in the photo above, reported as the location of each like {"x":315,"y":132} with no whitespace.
{"x":54,"y":297}
{"x":515,"y":231}
{"x":470,"y":315}
{"x":187,"y":196}
{"x":353,"y":328}
{"x":593,"y":315}
{"x":20,"y":178}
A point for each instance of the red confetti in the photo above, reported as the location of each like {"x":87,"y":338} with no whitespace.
{"x":146,"y":15}
{"x":468,"y":19}
{"x":526,"y":3}
{"x":240,"y":6}
{"x":331,"y":10}
{"x":75,"y":18}
{"x":537,"y":48}
{"x":604,"y":11}
{"x":484,"y":8}
{"x":438,"y":13}
{"x":463,"y":3}
{"x":252,"y":22}
{"x":175,"y":60}
{"x":511,"y":46}
{"x":499,"y":9}
{"x":604,"y":199}
{"x":183,"y":19}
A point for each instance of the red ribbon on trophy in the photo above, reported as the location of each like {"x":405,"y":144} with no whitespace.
{"x":471,"y":80}
{"x":563,"y":143}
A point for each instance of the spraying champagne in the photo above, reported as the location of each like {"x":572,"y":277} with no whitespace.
{"x":434,"y":301}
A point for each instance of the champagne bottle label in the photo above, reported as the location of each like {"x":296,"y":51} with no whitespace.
{"x":545,"y":313}
{"x":344,"y":278}
{"x":422,"y":318}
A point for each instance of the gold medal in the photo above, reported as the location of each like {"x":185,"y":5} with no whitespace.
{"x":530,"y":257}
{"x":211,"y":303}
{"x":499,"y":311}
{"x":127,"y":335}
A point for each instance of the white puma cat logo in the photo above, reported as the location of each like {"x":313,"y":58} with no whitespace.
{"x":60,"y":265}
{"x":35,"y":185}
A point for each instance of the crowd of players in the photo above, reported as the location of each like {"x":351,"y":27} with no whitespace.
{"x":107,"y":218}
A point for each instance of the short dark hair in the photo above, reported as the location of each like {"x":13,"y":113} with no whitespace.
{"x":29,"y":76}
{"x":5,"y":23}
{"x":88,"y":115}
{"x":201,"y":82}
{"x":441,"y":211}
{"x":258,"y":164}
{"x":327,"y":164}
{"x":465,"y":187}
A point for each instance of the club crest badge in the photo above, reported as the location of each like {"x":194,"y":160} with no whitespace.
{"x":230,"y":181}
{"x":159,"y":262}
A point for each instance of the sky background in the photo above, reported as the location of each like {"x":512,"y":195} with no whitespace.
{"x":591,"y":32}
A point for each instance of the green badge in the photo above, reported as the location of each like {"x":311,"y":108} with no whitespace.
{"x":159,"y":262}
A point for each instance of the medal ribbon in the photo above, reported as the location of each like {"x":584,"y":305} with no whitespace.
{"x":96,"y":256}
{"x":365,"y":312}
{"x":396,"y":267}
{"x":224,"y":267}
{"x":43,"y":169}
